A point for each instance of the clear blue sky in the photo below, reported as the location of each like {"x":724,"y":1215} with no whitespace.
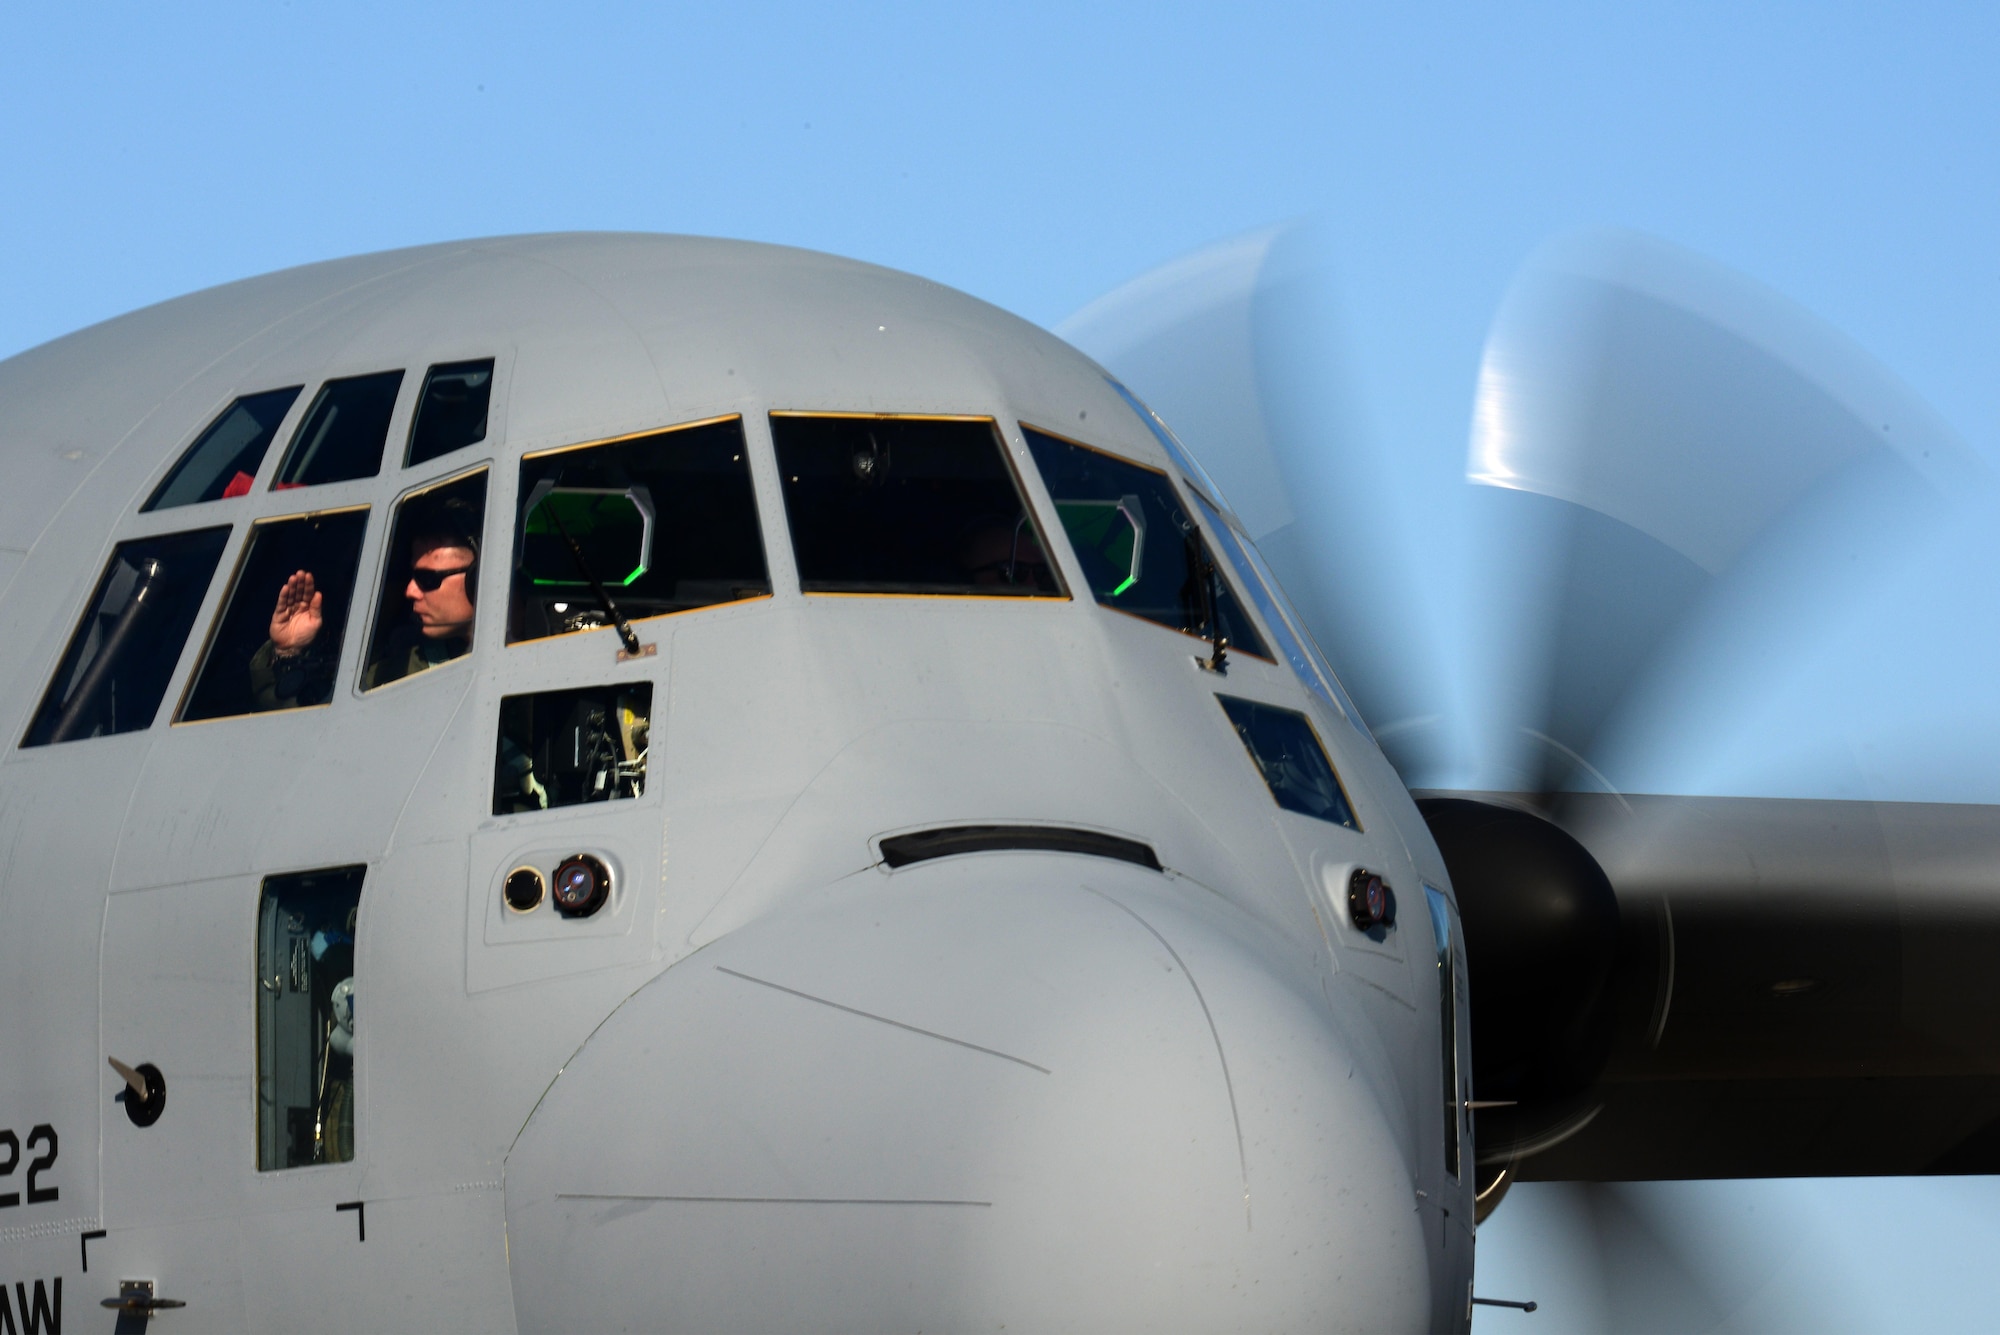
{"x":1037,"y":155}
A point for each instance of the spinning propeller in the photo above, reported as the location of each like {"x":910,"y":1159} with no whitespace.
{"x":1633,"y":650}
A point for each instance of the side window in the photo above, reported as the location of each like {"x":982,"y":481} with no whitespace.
{"x":1447,"y":966}
{"x":306,"y":1017}
{"x":1288,"y":613}
{"x":343,"y":432}
{"x":1297,"y":650}
{"x":430,"y":582}
{"x":122,"y":653}
{"x":223,"y":460}
{"x":277,"y":643}
{"x":1191,"y":470}
{"x":451,"y":411}
{"x":907,"y":505}
{"x":1141,"y":551}
{"x":664,"y":522}
{"x":1288,"y":754}
{"x":560,"y":748}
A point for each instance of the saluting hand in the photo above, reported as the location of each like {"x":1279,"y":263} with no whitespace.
{"x":295,"y":620}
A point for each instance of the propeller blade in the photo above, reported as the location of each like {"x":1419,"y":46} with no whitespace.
{"x":1664,"y":453}
{"x":1669,"y":1256}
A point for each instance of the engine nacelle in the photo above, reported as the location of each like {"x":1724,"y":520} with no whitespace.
{"x":1541,"y":944}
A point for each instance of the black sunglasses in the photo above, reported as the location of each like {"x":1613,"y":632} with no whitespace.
{"x":431,"y":580}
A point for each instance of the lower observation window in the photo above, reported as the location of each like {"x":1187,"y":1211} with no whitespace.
{"x":908,"y":505}
{"x":1288,"y":754}
{"x":561,"y":748}
{"x":305,"y":1017}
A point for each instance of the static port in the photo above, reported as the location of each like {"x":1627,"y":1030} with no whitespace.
{"x":580,"y":886}
{"x":524,"y":889}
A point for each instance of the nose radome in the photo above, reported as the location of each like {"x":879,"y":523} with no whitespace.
{"x":1016,"y":1090}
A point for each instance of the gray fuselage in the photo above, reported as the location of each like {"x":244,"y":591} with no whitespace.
{"x":781,"y":1077}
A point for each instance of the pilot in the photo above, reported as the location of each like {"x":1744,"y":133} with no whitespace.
{"x":287,"y":671}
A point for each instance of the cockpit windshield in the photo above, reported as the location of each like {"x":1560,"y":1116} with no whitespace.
{"x":1294,"y":643}
{"x":663,"y":522}
{"x":908,"y":505}
{"x":451,"y":410}
{"x":123,"y":652}
{"x":223,"y":460}
{"x":343,"y":432}
{"x":1195,"y":475}
{"x":1141,"y":551}
{"x":430,"y":582}
{"x":277,"y":643}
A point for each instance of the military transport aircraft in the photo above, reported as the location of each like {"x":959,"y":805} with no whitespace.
{"x":630,"y":782}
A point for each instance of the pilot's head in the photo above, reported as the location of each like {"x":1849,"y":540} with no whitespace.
{"x":443,"y":556}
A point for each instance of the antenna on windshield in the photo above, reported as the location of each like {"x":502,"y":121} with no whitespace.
{"x":632,"y":649}
{"x":1207,"y":582}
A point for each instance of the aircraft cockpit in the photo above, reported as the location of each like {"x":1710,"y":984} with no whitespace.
{"x":609,"y":531}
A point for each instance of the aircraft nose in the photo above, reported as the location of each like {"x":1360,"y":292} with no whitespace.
{"x":1021,"y":1090}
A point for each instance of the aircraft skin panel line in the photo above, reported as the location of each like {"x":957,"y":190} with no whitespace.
{"x":1221,"y":1057}
{"x":759,"y":1200}
{"x":883,"y":1019}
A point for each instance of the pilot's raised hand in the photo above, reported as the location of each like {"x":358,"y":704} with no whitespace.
{"x":295,"y":620}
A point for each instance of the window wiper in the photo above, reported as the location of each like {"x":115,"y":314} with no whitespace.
{"x":139,"y":605}
{"x":1206,"y":579}
{"x":633,"y":649}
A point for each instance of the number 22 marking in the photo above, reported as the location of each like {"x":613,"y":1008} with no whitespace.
{"x":10,"y":1144}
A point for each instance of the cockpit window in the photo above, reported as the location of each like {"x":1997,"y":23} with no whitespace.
{"x":1286,"y":613}
{"x":122,"y":653}
{"x":306,"y":1017}
{"x":430,"y":582}
{"x":1196,"y":476}
{"x":277,"y":642}
{"x":664,"y":522}
{"x":1288,"y":754}
{"x":451,"y":412}
{"x":1142,"y":552}
{"x":1294,"y":645}
{"x":343,"y":432}
{"x":223,"y":460}
{"x":907,"y":505}
{"x":561,"y":748}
